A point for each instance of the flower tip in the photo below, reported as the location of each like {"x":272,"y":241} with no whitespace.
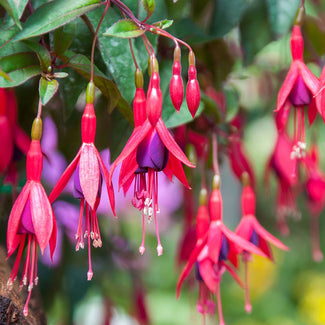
{"x":25,"y":311}
{"x":142,"y":250}
{"x":89,"y":275}
{"x":248,"y":308}
{"x":159,"y":250}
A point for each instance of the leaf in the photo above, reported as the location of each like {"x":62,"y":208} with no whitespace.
{"x":281,"y":14}
{"x":81,"y":64}
{"x":42,"y":53}
{"x":53,"y":15}
{"x":211,"y":108}
{"x":254,"y":30}
{"x":163,"y":24}
{"x":63,"y":38}
{"x":226,"y":15}
{"x":47,"y":89}
{"x":4,"y":75}
{"x":15,"y":9}
{"x":19,"y":68}
{"x":149,"y":6}
{"x":232,"y":102}
{"x":124,"y":28}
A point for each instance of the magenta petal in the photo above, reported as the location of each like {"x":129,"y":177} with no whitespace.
{"x":26,"y":223}
{"x":14,"y":218}
{"x":208,"y":274}
{"x":42,"y":215}
{"x":300,"y":94}
{"x":89,"y":173}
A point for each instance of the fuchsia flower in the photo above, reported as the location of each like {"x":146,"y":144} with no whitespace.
{"x":193,"y":95}
{"x":250,"y":229}
{"x":176,"y":87}
{"x":315,"y":190}
{"x":214,"y":248}
{"x":283,"y":167}
{"x":89,"y":169}
{"x":298,"y":90}
{"x":11,"y":135}
{"x":31,"y":218}
{"x":150,"y":149}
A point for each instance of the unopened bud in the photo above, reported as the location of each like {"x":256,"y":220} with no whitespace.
{"x":138,"y":78}
{"x":90,"y":93}
{"x":37,"y":129}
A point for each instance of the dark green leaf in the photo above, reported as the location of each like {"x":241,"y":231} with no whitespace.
{"x":47,"y":89}
{"x":232,"y":102}
{"x":254,"y":30}
{"x":163,"y":24}
{"x":15,"y":9}
{"x":6,"y":46}
{"x":19,"y":68}
{"x":63,"y":38}
{"x":124,"y":28}
{"x":149,"y":6}
{"x":282,"y":14}
{"x":81,"y":64}
{"x":4,"y":75}
{"x":226,"y":15}
{"x":53,"y":15}
{"x":42,"y":53}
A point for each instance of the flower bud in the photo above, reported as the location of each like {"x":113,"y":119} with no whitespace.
{"x":90,"y":93}
{"x":37,"y":129}
{"x":176,"y":87}
{"x":193,"y":95}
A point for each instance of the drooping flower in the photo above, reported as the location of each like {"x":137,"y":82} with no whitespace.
{"x":176,"y":87}
{"x":150,"y":149}
{"x":213,"y":249}
{"x":298,"y":90}
{"x":89,"y":170}
{"x":284,"y":167}
{"x":31,"y":218}
{"x":193,"y":95}
{"x":250,"y":229}
{"x":315,"y":190}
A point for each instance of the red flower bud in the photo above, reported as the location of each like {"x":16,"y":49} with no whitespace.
{"x":154,"y":99}
{"x":193,"y":95}
{"x":176,"y":87}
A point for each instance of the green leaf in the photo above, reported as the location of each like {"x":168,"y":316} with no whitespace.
{"x":42,"y":53}
{"x":63,"y":38}
{"x":226,"y":15}
{"x":211,"y":108}
{"x":4,"y":75}
{"x":53,"y":15}
{"x":232,"y":102}
{"x":15,"y":9}
{"x":124,"y":28}
{"x":281,"y":14}
{"x":81,"y":64}
{"x":255,"y":31}
{"x":149,"y":6}
{"x":47,"y":89}
{"x":163,"y":24}
{"x":19,"y":68}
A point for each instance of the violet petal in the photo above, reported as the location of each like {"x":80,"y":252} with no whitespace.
{"x":26,"y":224}
{"x":300,"y":95}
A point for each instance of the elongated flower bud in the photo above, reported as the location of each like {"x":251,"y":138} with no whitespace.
{"x":139,"y":102}
{"x":176,"y":87}
{"x":193,"y":95}
{"x":154,"y":99}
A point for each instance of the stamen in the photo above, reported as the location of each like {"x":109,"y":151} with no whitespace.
{"x":79,"y":236}
{"x":142,"y":248}
{"x":14,"y":271}
{"x":90,"y":271}
{"x":221,"y":320}
{"x":248,"y":306}
{"x":27,"y":262}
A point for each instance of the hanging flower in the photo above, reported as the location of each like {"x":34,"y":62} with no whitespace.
{"x":31,"y":218}
{"x":150,"y":149}
{"x":250,"y":229}
{"x":89,"y":170}
{"x":298,"y":90}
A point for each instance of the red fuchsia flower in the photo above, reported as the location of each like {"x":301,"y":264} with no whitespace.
{"x":315,"y":190}
{"x":150,"y":149}
{"x":283,"y":167}
{"x":250,"y":229}
{"x":13,"y":138}
{"x":31,"y":218}
{"x":298,"y":90}
{"x":176,"y":87}
{"x":193,"y":95}
{"x":89,"y":169}
{"x":217,"y":246}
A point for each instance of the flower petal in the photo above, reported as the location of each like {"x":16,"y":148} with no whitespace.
{"x":128,"y":168}
{"x":171,"y":144}
{"x":42,"y":215}
{"x":214,"y":241}
{"x":287,"y":85}
{"x":89,"y":173}
{"x":14,"y":219}
{"x":109,"y":185}
{"x":208,"y":274}
{"x":309,"y":78}
{"x":64,"y":179}
{"x":53,"y":238}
